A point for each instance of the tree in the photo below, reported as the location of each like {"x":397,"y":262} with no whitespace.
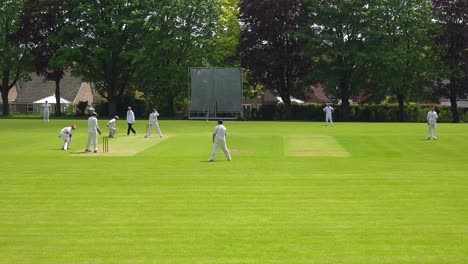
{"x":452,"y":15}
{"x":403,"y":55}
{"x":103,"y":40}
{"x":269,"y":46}
{"x":334,"y":33}
{"x":181,"y":34}
{"x":15,"y":58}
{"x":227,"y":36}
{"x":39,"y":21}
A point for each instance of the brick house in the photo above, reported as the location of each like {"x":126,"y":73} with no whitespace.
{"x":25,"y":93}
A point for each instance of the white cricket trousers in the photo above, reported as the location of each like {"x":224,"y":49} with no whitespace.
{"x":66,"y":141}
{"x":220,"y":144}
{"x":92,"y":137}
{"x":432,"y":130}
{"x":150,"y":127}
{"x":46,"y":116}
{"x":328,"y":118}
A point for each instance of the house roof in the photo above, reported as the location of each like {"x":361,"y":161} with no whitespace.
{"x":37,"y":88}
{"x":51,"y":99}
{"x":252,"y":101}
{"x":316,"y":94}
{"x":12,"y":94}
{"x":269,"y":97}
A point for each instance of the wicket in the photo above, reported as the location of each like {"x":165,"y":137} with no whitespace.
{"x":105,"y":144}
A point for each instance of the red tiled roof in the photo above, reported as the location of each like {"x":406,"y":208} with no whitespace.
{"x":316,"y":94}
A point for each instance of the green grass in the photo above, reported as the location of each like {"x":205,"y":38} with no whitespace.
{"x":293,"y":193}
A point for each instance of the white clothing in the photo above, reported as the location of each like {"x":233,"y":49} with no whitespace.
{"x":216,"y":145}
{"x":432,"y":117}
{"x":65,"y":134}
{"x":92,"y":138}
{"x":220,"y":132}
{"x":153,"y":117}
{"x":219,"y":142}
{"x":328,"y":109}
{"x":46,"y":111}
{"x":153,"y":123}
{"x":111,"y":125}
{"x":328,"y":115}
{"x":130,"y":117}
{"x":432,"y":124}
{"x":92,"y":133}
{"x":92,"y":124}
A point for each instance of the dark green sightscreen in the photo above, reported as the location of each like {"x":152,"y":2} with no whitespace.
{"x":215,"y":93}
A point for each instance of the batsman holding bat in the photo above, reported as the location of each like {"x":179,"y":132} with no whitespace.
{"x":66,"y":135}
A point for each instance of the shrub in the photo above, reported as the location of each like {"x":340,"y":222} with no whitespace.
{"x":359,"y":113}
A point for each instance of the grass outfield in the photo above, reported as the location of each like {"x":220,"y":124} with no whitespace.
{"x":294,"y":193}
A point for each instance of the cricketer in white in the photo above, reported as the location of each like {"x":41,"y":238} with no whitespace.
{"x":328,"y":114}
{"x":153,"y":123}
{"x":112,"y":126}
{"x":46,"y":111}
{"x":219,"y":140}
{"x":66,"y":135}
{"x":93,"y":129}
{"x":432,"y":124}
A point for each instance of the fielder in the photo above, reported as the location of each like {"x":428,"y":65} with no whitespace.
{"x":153,"y":123}
{"x":219,"y":140}
{"x":66,"y":135}
{"x":93,"y":129}
{"x":328,"y":114}
{"x":432,"y":124}
{"x":46,"y":111}
{"x":112,"y":126}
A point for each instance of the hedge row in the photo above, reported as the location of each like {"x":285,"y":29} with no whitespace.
{"x":359,"y":113}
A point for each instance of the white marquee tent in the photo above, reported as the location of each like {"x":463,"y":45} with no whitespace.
{"x":37,"y":105}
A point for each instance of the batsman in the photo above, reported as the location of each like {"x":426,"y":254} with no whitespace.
{"x":66,"y":135}
{"x":112,"y":126}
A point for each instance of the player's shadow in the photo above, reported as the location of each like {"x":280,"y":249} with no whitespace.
{"x":207,"y":161}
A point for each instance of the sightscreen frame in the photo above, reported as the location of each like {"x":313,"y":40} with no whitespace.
{"x":215,"y":93}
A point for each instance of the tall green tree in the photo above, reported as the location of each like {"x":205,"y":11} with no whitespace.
{"x":226,"y":41}
{"x":269,"y":46}
{"x":103,"y":40}
{"x":39,"y":21}
{"x":403,"y":54}
{"x":334,"y":32}
{"x":181,"y":34}
{"x":15,"y":57}
{"x":452,"y":15}
{"x":226,"y":51}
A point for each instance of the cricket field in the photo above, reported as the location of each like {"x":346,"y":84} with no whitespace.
{"x":294,"y":193}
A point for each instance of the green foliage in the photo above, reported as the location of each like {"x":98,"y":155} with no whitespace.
{"x":226,"y":41}
{"x":334,"y":32}
{"x":269,"y":47}
{"x":251,"y":89}
{"x":452,"y":16}
{"x":383,"y":47}
{"x":359,"y":113}
{"x":103,"y":39}
{"x":402,"y":56}
{"x":180,"y":35}
{"x":15,"y":57}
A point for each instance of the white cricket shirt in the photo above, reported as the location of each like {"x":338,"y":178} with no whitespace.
{"x":220,"y":132}
{"x":92,"y":124}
